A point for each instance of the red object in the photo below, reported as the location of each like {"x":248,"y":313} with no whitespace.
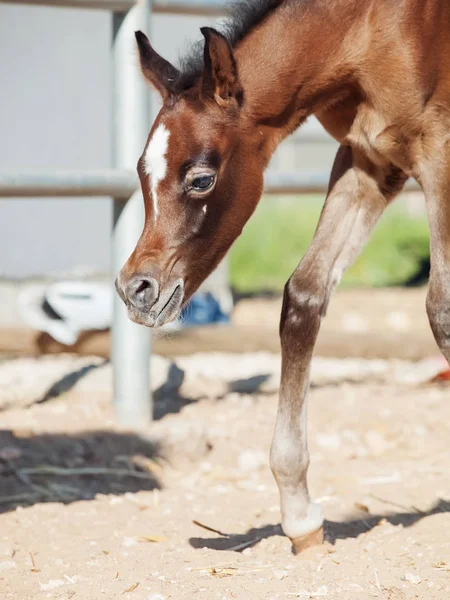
{"x":443,"y":375}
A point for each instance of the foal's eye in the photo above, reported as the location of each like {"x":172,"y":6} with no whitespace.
{"x":202,"y":182}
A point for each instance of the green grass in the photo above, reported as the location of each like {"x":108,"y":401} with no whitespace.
{"x":278,"y":234}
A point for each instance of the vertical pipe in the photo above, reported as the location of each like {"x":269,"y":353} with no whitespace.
{"x":130,"y":350}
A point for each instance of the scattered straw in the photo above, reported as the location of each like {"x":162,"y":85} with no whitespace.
{"x":143,"y":463}
{"x":231,"y":567}
{"x":132,"y":588}
{"x":63,"y":472}
{"x":222,"y":572}
{"x":18,"y":497}
{"x":22,"y":476}
{"x":396,"y":504}
{"x":152,"y":538}
{"x":246,"y":544}
{"x":211,"y":529}
{"x":377,"y":581}
{"x":322,"y":591}
{"x":222,"y":566}
{"x":236,"y":548}
{"x":33,"y":569}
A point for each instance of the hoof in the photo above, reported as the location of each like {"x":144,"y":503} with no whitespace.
{"x":307,"y":541}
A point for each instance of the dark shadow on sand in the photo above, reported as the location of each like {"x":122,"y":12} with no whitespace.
{"x":334,"y":531}
{"x":67,"y":382}
{"x":67,"y":468}
{"x":168,"y":399}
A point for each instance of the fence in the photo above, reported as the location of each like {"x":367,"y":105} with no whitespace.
{"x":130,"y":343}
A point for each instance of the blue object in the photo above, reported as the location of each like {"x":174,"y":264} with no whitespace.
{"x":203,"y":309}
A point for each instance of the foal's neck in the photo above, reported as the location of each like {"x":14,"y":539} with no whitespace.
{"x":295,"y":62}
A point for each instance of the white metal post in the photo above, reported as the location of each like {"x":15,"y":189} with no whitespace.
{"x":131,"y":343}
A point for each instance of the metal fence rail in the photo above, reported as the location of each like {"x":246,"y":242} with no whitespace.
{"x":106,"y":182}
{"x":112,"y":5}
{"x":121,"y":184}
{"x":195,"y":7}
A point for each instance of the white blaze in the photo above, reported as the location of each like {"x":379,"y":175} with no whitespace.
{"x":155,"y":161}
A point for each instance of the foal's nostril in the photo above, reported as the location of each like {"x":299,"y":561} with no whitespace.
{"x":145,"y":284}
{"x":142,"y":292}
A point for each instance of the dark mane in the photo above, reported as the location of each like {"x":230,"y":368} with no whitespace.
{"x":242,"y":17}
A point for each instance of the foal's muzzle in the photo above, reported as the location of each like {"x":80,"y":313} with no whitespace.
{"x":147,"y":302}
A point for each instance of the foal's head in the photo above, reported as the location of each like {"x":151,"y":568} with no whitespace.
{"x":201,"y":174}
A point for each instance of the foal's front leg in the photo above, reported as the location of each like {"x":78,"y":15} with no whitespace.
{"x":435,"y":180}
{"x":353,"y":205}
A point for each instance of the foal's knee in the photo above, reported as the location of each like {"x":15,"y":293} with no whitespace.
{"x":304,"y":303}
{"x":438,"y":310}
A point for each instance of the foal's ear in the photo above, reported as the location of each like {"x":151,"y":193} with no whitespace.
{"x":220,"y":76}
{"x":156,"y":70}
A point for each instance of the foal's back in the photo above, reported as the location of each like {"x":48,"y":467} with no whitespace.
{"x":400,"y":51}
{"x":408,"y":49}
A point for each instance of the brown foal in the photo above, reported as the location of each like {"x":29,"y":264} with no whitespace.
{"x":376,"y":73}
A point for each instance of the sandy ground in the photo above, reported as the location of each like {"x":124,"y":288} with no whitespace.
{"x":91,"y":511}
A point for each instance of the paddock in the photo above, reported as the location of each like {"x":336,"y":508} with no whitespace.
{"x":187,"y":507}
{"x":138,"y":475}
